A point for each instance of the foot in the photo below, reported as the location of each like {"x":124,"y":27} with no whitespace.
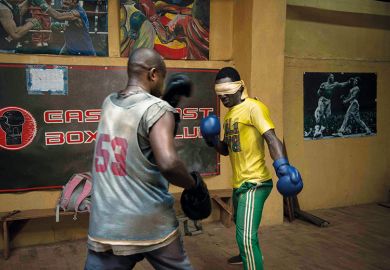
{"x":317,"y":134}
{"x":39,"y":44}
{"x":235,"y":260}
{"x":45,"y":44}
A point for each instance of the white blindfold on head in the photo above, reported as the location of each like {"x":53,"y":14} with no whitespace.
{"x":229,"y":88}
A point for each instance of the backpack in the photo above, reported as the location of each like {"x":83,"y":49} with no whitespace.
{"x":76,"y":195}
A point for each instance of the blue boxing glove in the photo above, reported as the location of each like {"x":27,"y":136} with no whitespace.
{"x":136,"y":21}
{"x":210,"y":129}
{"x":290,"y":180}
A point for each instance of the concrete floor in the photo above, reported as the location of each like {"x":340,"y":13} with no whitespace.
{"x":357,"y":238}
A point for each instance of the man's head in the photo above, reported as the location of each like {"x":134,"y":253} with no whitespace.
{"x":146,"y":68}
{"x":330,"y":78}
{"x":228,"y":75}
{"x":355,"y":81}
{"x":69,"y":4}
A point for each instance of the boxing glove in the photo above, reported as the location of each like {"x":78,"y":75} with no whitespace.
{"x":210,"y":129}
{"x":36,"y":24}
{"x":136,"y":21}
{"x":12,"y":123}
{"x":178,"y":85}
{"x":290,"y":181}
{"x":58,"y":26}
{"x":195,"y":202}
{"x":40,"y":3}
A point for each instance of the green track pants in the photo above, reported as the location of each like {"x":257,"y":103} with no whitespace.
{"x":248,"y":203}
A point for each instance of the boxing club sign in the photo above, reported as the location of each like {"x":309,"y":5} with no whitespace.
{"x":18,"y":128}
{"x":93,"y":116}
{"x":46,"y":137}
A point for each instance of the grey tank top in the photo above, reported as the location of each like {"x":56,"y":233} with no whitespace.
{"x":130,"y":199}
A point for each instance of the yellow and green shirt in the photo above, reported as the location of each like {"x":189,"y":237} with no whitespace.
{"x":244,"y":125}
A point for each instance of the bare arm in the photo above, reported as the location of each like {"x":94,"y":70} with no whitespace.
{"x":167,"y":159}
{"x":9,"y":25}
{"x":275,"y":146}
{"x":344,"y":84}
{"x":63,"y":16}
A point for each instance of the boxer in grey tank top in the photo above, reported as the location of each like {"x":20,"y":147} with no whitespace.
{"x":132,"y":214}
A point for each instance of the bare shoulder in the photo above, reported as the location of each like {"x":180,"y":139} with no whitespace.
{"x":4,"y":8}
{"x":5,"y":12}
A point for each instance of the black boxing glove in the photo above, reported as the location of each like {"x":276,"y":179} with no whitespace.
{"x":178,"y":85}
{"x":195,"y":201}
{"x":12,"y":123}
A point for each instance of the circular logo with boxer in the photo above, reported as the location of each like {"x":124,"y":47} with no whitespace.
{"x":17,"y":128}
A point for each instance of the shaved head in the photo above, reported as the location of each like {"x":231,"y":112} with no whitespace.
{"x":146,"y":69}
{"x":144,"y":59}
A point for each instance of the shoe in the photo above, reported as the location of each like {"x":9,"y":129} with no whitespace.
{"x":45,"y":44}
{"x":235,"y":260}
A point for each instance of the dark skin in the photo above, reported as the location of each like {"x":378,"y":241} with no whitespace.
{"x":275,"y":146}
{"x":9,"y":25}
{"x":146,"y":71}
{"x":71,"y":15}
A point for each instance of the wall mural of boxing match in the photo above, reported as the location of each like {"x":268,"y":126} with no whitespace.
{"x":61,"y":27}
{"x":339,"y":105}
{"x":49,"y":116}
{"x":177,"y":29}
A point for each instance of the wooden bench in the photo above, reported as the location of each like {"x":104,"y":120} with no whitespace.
{"x":14,"y":221}
{"x":223,"y":198}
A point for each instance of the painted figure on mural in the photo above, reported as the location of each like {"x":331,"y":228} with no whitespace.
{"x":323,"y":110}
{"x":176,"y":29}
{"x":69,"y":27}
{"x":343,"y":106}
{"x":41,"y":38}
{"x":12,"y":28}
{"x":193,"y":29}
{"x":75,"y":25}
{"x":135,"y":30}
{"x":352,"y":111}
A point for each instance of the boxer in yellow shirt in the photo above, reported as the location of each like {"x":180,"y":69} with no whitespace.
{"x":246,"y":126}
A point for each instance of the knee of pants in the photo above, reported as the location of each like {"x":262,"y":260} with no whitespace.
{"x":245,"y":240}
